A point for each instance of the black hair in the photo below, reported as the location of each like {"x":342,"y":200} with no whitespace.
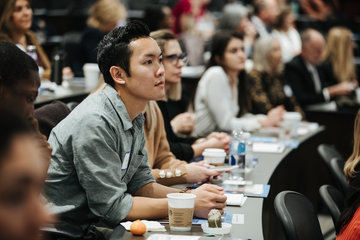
{"x":218,"y":47}
{"x":154,"y":15}
{"x":114,"y":49}
{"x":15,"y":65}
{"x":11,"y":125}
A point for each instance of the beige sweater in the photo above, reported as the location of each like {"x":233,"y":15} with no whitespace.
{"x":160,"y":157}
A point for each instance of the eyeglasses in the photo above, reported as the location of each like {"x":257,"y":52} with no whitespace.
{"x":174,"y":59}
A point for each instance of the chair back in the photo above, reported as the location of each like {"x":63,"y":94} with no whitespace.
{"x":333,"y":199}
{"x":337,"y":168}
{"x":328,"y":152}
{"x":297,"y":216}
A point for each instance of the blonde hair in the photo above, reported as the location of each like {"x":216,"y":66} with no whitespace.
{"x":262,"y":59}
{"x":339,"y":52}
{"x":162,"y":37}
{"x":354,"y":159}
{"x":106,"y":11}
{"x":7,"y":7}
{"x":150,"y":117}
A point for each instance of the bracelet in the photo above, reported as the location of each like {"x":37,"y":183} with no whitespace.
{"x":185,"y":190}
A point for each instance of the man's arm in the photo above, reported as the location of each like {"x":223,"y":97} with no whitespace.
{"x":208,"y":197}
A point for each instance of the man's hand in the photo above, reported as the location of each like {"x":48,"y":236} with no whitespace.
{"x":208,"y":197}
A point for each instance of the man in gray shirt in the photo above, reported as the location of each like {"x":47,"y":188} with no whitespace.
{"x":99,"y":161}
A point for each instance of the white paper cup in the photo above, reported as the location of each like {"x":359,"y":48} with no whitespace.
{"x":181,"y":211}
{"x":92,"y":75}
{"x":214,"y":156}
{"x":291,"y":122}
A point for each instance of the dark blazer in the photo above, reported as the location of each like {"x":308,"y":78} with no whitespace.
{"x":302,"y":84}
{"x":180,"y":147}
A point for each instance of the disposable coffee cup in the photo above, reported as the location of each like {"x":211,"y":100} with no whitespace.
{"x":214,"y":156}
{"x":291,"y":122}
{"x":181,"y":211}
{"x":92,"y":75}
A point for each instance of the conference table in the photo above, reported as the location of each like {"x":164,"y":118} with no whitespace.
{"x":288,"y":170}
{"x":75,"y":90}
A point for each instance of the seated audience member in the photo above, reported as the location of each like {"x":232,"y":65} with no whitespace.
{"x":165,"y":168}
{"x":159,"y":17}
{"x":22,"y":211}
{"x":19,"y":83}
{"x":194,"y":25}
{"x":347,"y":225}
{"x":266,"y":82}
{"x":15,"y":22}
{"x":307,"y":80}
{"x":265,"y":14}
{"x":104,"y":16}
{"x":339,"y":56}
{"x":99,"y":159}
{"x":234,"y":17}
{"x":285,"y":32}
{"x":222,"y":99}
{"x":174,"y":58}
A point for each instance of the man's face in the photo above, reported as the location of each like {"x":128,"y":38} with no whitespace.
{"x":312,"y":51}
{"x":147,"y":77}
{"x":23,"y":94}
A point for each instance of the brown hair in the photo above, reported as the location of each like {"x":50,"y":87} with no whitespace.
{"x":285,"y":10}
{"x":339,"y":52}
{"x":354,"y":159}
{"x":105,"y":11}
{"x":161,"y":37}
{"x":7,"y":7}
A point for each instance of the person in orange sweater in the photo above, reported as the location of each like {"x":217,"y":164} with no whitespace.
{"x":165,"y":168}
{"x":348,"y":224}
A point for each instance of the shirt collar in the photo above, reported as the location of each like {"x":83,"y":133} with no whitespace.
{"x":120,"y":109}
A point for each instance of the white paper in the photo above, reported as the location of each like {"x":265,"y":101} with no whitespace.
{"x":235,"y":199}
{"x":238,"y":219}
{"x":151,"y":226}
{"x":268,"y":147}
{"x":172,"y":237}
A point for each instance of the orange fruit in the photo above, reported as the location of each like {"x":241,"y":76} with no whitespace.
{"x":138,"y":227}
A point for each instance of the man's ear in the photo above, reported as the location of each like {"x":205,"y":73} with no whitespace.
{"x":118,"y":75}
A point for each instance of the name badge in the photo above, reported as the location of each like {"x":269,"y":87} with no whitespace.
{"x":125,"y":163}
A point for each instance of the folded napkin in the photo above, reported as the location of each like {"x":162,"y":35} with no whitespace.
{"x":151,"y":226}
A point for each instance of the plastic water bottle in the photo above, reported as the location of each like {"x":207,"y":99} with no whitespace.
{"x":237,"y":151}
{"x":233,"y":150}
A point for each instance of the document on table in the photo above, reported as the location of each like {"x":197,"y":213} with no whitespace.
{"x":254,"y":190}
{"x":235,"y":199}
{"x":268,"y":147}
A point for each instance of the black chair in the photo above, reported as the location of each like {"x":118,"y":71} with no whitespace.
{"x":333,"y":199}
{"x":337,"y":169}
{"x":297,"y":216}
{"x":328,"y":152}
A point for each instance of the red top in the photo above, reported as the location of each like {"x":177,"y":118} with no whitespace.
{"x":352,"y":230}
{"x":184,"y":7}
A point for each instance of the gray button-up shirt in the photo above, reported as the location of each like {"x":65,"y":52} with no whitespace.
{"x":88,"y":178}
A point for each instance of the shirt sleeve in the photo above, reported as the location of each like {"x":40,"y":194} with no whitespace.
{"x":98,"y":167}
{"x":221,"y":108}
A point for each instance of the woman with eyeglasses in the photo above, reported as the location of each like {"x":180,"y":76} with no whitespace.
{"x":174,"y":59}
